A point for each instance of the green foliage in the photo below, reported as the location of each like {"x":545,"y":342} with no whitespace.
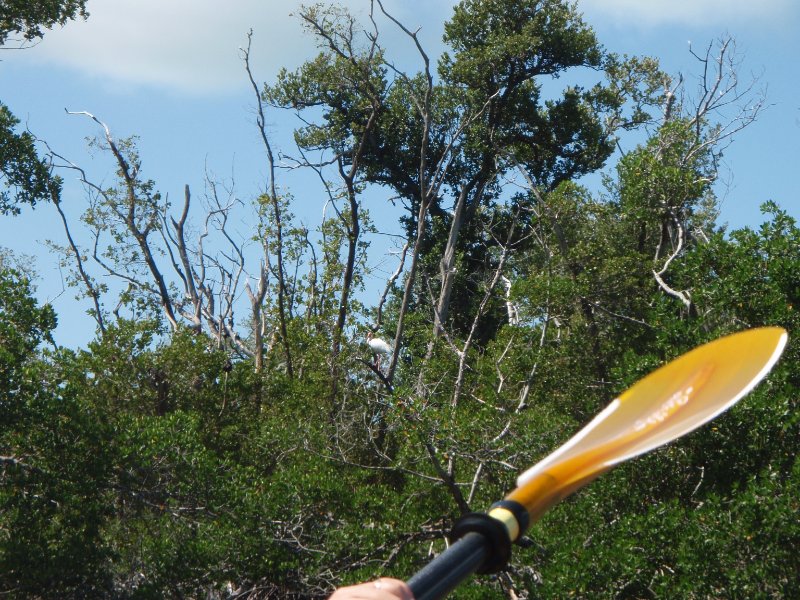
{"x":497,"y":36}
{"x":26,"y":177}
{"x":668,"y":176}
{"x":145,"y":467}
{"x":502,"y":51}
{"x":346,"y":80}
{"x":53,"y":460}
{"x":23,"y":326}
{"x":28,"y":18}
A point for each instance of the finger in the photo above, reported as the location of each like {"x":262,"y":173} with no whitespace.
{"x":384,"y":588}
{"x":395,"y":587}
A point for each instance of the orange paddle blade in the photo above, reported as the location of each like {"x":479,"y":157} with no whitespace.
{"x":670,"y":402}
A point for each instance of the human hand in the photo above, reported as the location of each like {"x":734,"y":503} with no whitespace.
{"x":382,"y":589}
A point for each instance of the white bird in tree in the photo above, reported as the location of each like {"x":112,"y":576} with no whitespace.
{"x":511,"y":308}
{"x":379,"y":348}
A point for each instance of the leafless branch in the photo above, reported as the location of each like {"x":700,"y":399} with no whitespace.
{"x":390,"y":283}
{"x":278,"y":221}
{"x":498,"y":273}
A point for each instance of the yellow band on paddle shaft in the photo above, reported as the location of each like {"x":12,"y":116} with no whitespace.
{"x":507,"y":518}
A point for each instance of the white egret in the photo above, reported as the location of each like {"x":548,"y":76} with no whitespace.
{"x":379,"y":348}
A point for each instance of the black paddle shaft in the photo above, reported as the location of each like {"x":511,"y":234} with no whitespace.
{"x":440,"y":576}
{"x":482,"y":544}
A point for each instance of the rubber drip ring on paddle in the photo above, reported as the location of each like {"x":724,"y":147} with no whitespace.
{"x":495,"y":535}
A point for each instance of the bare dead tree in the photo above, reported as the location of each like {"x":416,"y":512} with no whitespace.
{"x":337,"y":32}
{"x":186,"y":270}
{"x":278,"y":221}
{"x":709,"y":117}
{"x":429,"y":184}
{"x":209,"y":283}
{"x":208,"y":299}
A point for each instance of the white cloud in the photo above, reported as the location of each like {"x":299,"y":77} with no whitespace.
{"x":192,"y":45}
{"x":685,"y":12}
{"x":187,"y":45}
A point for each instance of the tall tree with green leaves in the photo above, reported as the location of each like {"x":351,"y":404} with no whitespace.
{"x":24,"y":177}
{"x":448,"y":139}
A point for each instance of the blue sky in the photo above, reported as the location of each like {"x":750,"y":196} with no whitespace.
{"x":170,"y":72}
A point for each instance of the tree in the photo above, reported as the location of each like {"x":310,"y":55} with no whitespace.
{"x":169,"y":274}
{"x":29,"y":18}
{"x":483,"y":116}
{"x":50,"y":501}
{"x":21,"y":169}
{"x":24,"y":175}
{"x":349,"y":80}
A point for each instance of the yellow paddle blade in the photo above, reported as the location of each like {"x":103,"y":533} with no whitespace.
{"x":670,"y":402}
